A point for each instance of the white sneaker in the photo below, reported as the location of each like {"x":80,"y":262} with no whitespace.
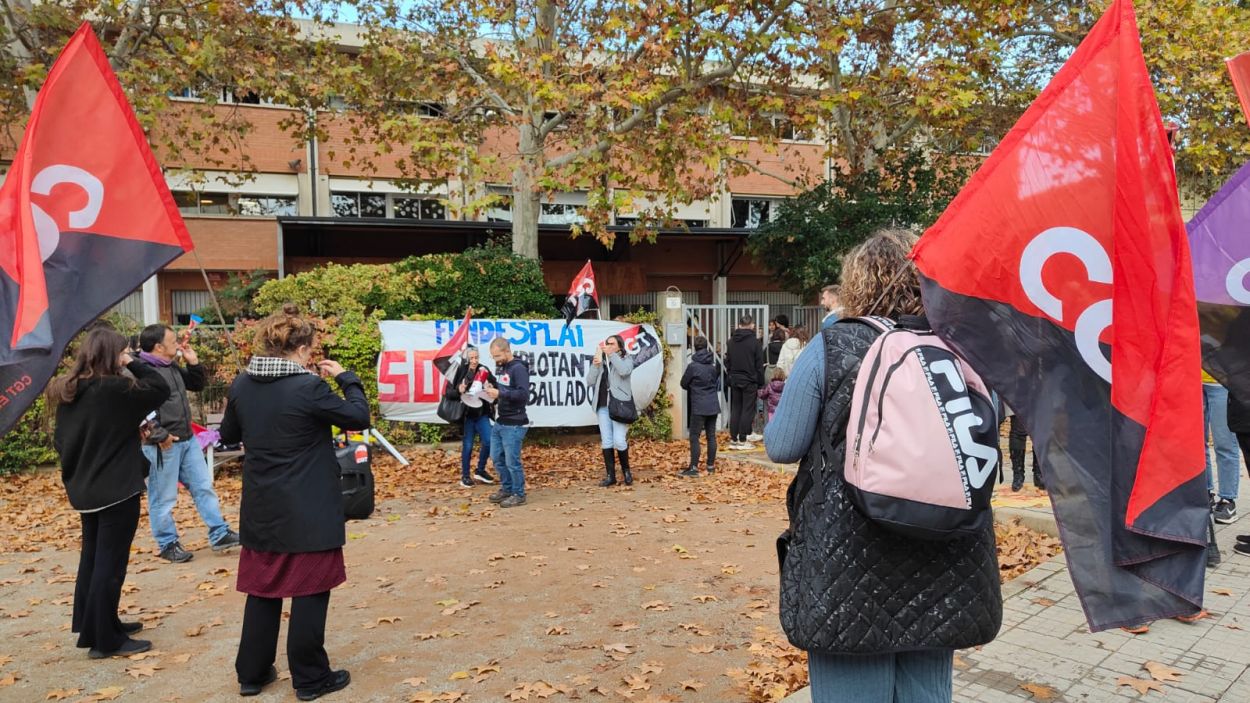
{"x":465,"y":485}
{"x":754,"y":437}
{"x":746,"y":447}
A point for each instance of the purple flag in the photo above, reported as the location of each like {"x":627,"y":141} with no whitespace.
{"x":1219,"y":242}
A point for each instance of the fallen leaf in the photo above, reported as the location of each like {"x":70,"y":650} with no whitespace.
{"x":1040,"y":692}
{"x":692,"y":685}
{"x":9,"y":679}
{"x":1141,"y":685}
{"x":182,"y":658}
{"x":1044,"y":602}
{"x":620,"y":647}
{"x":703,"y":649}
{"x":704,"y":599}
{"x":415,"y":681}
{"x":109,"y":693}
{"x":625,"y":626}
{"x":60,"y":694}
{"x":1162,"y":672}
{"x":139,"y":672}
{"x":1221,"y":591}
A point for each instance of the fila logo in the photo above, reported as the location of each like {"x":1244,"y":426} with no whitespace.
{"x":1093,"y":319}
{"x":963,"y":420}
{"x":46,"y":228}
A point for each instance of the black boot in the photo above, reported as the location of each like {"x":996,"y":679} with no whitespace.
{"x":625,"y":474}
{"x":1017,"y":479}
{"x":609,"y":462}
{"x":1037,"y":480}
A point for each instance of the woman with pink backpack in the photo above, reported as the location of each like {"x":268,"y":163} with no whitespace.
{"x":879,"y":591}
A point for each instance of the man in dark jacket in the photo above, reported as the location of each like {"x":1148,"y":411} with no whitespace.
{"x":511,"y":423}
{"x":701,"y":382}
{"x":173,"y":451}
{"x":745,"y":363}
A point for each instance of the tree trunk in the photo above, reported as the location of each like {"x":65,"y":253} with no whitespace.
{"x":525,"y":199}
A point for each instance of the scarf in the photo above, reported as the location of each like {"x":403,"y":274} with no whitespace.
{"x":273,"y":367}
{"x":155,"y":360}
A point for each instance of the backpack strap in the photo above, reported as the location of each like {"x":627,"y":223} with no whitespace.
{"x":880,"y":324}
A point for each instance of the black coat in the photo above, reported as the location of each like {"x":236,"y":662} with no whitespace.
{"x":702,"y":382}
{"x":745,"y":360}
{"x":487,"y":408}
{"x":1238,"y":415}
{"x":292,"y":496}
{"x":850,"y":586}
{"x":97,"y":437}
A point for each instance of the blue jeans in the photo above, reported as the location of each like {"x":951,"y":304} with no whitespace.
{"x":481,"y":427}
{"x":182,"y":463}
{"x":1227,"y":457}
{"x":505,"y":451}
{"x":907,"y":677}
{"x":612,"y":434}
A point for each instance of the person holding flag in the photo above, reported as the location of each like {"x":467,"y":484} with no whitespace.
{"x":1080,"y":313}
{"x":467,"y":384}
{"x":583,"y":296}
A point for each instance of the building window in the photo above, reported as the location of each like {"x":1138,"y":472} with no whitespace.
{"x":245,"y":204}
{"x":749,"y":213}
{"x":419,"y":208}
{"x":358,"y":204}
{"x":561,"y":214}
{"x":186,"y":303}
{"x":689,"y":224}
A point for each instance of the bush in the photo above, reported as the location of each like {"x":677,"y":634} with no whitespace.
{"x":350,"y":301}
{"x":29,"y":443}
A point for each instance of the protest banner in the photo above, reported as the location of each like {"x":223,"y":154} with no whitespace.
{"x":559,"y":358}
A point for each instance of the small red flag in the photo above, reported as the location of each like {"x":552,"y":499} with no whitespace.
{"x":85,"y":218}
{"x":583,"y":296}
{"x":1239,"y":69}
{"x":448,"y":354}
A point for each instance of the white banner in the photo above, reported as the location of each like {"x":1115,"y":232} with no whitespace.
{"x":559,"y":358}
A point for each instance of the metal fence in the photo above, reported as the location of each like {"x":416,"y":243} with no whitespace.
{"x":807,"y":317}
{"x":717,"y":323}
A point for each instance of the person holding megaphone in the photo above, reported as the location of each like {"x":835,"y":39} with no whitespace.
{"x":467,"y":384}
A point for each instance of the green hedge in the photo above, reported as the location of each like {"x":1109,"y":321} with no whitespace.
{"x":352,"y":300}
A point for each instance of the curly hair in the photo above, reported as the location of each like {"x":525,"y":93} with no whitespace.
{"x":879,"y":279}
{"x":283,"y":332}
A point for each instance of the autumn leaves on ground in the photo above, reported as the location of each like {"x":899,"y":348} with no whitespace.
{"x":666,"y":591}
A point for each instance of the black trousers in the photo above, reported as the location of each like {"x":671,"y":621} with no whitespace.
{"x":700,"y":424}
{"x":741,"y":412}
{"x":305,"y":640}
{"x":1017,"y":439}
{"x":106,"y":539}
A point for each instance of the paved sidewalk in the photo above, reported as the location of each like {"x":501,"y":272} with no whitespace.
{"x":1045,"y":643}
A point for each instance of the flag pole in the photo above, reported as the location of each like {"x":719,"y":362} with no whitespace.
{"x":238,"y":363}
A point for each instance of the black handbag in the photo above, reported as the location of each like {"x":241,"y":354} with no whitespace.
{"x":622,"y":410}
{"x":450,"y":410}
{"x":356,"y":477}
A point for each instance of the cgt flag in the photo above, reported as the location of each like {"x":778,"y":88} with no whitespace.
{"x":85,"y":218}
{"x":583,"y":296}
{"x":448,"y":356}
{"x":1219,"y":239}
{"x":1061,"y":272}
{"x":1239,"y":69}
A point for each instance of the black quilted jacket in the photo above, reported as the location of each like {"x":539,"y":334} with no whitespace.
{"x":850,"y":587}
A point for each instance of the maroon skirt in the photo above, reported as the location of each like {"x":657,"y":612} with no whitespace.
{"x":274,"y":575}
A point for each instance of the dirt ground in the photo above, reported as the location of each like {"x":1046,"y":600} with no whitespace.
{"x":666,"y":591}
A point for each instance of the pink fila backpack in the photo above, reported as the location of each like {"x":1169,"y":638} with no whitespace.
{"x":922,"y":445}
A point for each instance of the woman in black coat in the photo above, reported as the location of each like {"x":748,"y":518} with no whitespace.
{"x":702,"y":383}
{"x":291,"y":517}
{"x":99,"y":413}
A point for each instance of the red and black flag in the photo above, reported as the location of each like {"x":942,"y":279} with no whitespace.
{"x":449,"y":355}
{"x":1239,"y":69}
{"x":1062,"y":273}
{"x":583,"y":296}
{"x":85,"y":218}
